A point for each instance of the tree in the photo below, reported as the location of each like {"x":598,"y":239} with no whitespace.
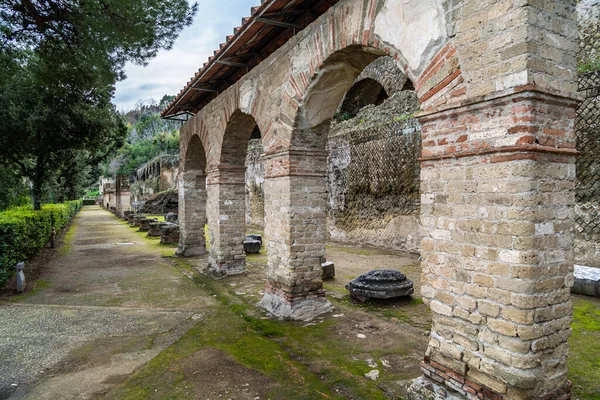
{"x":42,"y":118}
{"x":59,"y":62}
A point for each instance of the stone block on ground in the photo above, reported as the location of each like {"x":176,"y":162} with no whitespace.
{"x":172,"y":217}
{"x":251,"y":246}
{"x":135,"y":222}
{"x":126,"y":215}
{"x":145,"y":224}
{"x":155,"y":228}
{"x":587,"y":281}
{"x":328,"y":269}
{"x":169,"y":234}
{"x":380,"y":284}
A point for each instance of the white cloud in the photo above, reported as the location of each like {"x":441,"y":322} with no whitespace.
{"x":171,"y":70}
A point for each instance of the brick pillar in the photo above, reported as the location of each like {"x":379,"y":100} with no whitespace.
{"x":123,"y":202}
{"x":295,"y":232}
{"x":192,"y":213}
{"x":226,"y":222}
{"x":497,"y":191}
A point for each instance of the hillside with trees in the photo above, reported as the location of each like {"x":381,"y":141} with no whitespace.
{"x":148,"y":136}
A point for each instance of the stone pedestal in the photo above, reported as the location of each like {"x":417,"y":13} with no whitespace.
{"x":170,"y":234}
{"x":192,"y":213}
{"x":226,"y":224}
{"x":295,"y":229}
{"x":498,"y":181}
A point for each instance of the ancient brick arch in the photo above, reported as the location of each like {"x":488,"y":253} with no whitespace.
{"x":226,"y":197}
{"x":497,"y":94}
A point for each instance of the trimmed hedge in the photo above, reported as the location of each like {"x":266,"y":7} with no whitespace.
{"x":24,"y":231}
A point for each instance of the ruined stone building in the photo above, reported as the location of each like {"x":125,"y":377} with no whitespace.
{"x":155,"y":176}
{"x":482,"y":94}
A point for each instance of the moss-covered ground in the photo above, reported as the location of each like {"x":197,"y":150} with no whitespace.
{"x":318,"y":360}
{"x":584,"y":360}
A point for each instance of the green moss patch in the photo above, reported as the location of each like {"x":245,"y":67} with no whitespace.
{"x":584,"y":358}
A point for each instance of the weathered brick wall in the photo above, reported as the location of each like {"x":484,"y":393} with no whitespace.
{"x":497,"y":263}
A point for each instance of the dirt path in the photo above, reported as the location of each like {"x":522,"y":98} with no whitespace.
{"x":109,"y":303}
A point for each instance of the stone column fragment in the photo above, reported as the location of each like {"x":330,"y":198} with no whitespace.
{"x":192,"y":213}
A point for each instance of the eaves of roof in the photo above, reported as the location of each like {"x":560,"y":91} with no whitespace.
{"x":269,"y":26}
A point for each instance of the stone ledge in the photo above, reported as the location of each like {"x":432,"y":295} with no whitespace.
{"x":441,"y":383}
{"x":586,"y":281}
{"x":300,"y":310}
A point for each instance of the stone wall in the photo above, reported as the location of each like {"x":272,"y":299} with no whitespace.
{"x":255,"y":179}
{"x":373,"y":175}
{"x":587,"y":216}
{"x":156,"y":176}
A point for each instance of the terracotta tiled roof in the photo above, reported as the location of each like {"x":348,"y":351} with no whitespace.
{"x":268,"y":27}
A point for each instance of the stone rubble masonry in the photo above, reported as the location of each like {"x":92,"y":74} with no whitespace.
{"x":255,"y":179}
{"x":192,"y":212}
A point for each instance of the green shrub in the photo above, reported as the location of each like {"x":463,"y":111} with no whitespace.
{"x":24,"y":231}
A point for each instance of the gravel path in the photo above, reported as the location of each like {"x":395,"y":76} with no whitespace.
{"x":105,"y":310}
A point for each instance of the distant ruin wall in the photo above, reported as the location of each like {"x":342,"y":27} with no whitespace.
{"x":255,"y":179}
{"x":373,"y":175}
{"x":156,"y":176}
{"x":586,"y":213}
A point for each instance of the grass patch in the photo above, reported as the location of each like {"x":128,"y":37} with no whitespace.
{"x":38,"y":285}
{"x":584,"y":358}
{"x":67,"y":244}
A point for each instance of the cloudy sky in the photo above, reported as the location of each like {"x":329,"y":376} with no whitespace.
{"x":170,"y":70}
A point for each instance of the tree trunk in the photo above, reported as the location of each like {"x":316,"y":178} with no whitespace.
{"x":36,"y":193}
{"x":36,"y":184}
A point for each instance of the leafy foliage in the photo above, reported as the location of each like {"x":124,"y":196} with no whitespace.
{"x":149,"y":136}
{"x":23,"y":231}
{"x":59,"y":62}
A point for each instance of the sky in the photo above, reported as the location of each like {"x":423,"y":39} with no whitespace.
{"x":171,"y":70}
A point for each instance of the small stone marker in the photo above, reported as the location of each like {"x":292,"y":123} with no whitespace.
{"x":172,"y":217}
{"x":20,"y":277}
{"x":255,"y":236}
{"x":380,"y":284}
{"x":53,"y":238}
{"x":587,"y":281}
{"x":372,"y":375}
{"x":252,"y":246}
{"x":328,"y":270}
